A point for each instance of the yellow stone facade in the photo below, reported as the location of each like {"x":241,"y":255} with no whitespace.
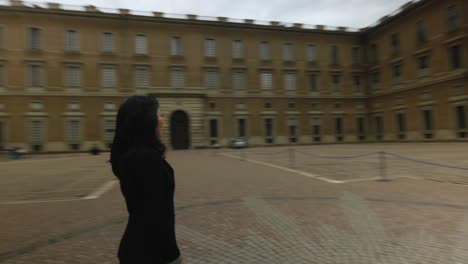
{"x":403,"y":79}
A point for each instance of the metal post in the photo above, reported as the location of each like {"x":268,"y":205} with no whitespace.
{"x":292,"y":161}
{"x":383,"y":167}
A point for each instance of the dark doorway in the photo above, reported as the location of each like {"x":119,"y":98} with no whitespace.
{"x":180,"y":131}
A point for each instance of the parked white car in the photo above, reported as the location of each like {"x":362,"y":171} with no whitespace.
{"x":239,"y":143}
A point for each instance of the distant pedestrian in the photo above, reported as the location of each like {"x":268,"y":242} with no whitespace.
{"x":147,"y":183}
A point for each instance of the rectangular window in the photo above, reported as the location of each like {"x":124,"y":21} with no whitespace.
{"x":2,"y":133}
{"x":313,"y":83}
{"x":395,"y":42}
{"x":242,"y":128}
{"x":2,"y":75}
{"x":452,"y":18}
{"x":239,"y":80}
{"x":74,"y":131}
{"x":292,"y":129}
{"x":461,"y":117}
{"x":357,"y":83}
{"x":109,"y":130}
{"x":288,"y":52}
{"x":374,"y":54}
{"x":176,"y":46}
{"x":361,"y":127}
{"x":421,"y":32}
{"x":336,"y":82}
{"x":427,"y":118}
{"x":108,"y":77}
{"x":2,"y":35}
{"x":178,"y":77}
{"x":237,"y":49}
{"x":401,"y":125}
{"x":72,"y":41}
{"x":290,"y":81}
{"x":396,"y":73}
{"x":35,"y":73}
{"x":266,"y":81}
{"x":312,"y":53}
{"x":37,"y":132}
{"x":334,"y":55}
{"x":376,"y":80}
{"x":338,"y":126}
{"x":141,"y":44}
{"x":34,"y":38}
{"x":378,"y":126}
{"x":423,"y":64}
{"x":213,"y":129}
{"x":210,"y":48}
{"x":356,"y":55}
{"x":211,"y":79}
{"x":142,"y":77}
{"x":455,"y":57}
{"x":107,"y":42}
{"x":269,"y":130}
{"x":316,"y":129}
{"x":73,"y":76}
{"x":265,"y":53}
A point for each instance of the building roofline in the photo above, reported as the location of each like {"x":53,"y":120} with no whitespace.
{"x":148,"y":16}
{"x":395,"y":15}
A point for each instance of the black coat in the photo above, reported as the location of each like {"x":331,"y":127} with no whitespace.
{"x":147,"y":183}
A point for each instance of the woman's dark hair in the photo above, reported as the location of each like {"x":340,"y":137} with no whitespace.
{"x":135,"y":127}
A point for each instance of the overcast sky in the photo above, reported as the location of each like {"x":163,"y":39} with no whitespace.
{"x":351,"y":13}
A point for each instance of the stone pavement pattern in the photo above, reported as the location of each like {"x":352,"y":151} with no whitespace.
{"x":231,"y":211}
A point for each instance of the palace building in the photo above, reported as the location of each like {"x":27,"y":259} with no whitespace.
{"x":64,"y":70}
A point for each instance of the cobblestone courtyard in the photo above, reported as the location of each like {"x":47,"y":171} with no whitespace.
{"x":235,"y":211}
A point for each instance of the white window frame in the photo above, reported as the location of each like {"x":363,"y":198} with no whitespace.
{"x":73,"y":79}
{"x":111,"y":83}
{"x":107,"y":42}
{"x":72,"y":40}
{"x":210,"y":48}
{"x":312,"y":53}
{"x":237,"y":49}
{"x":177,"y":77}
{"x":266,"y":80}
{"x":33,"y":82}
{"x":34,"y":44}
{"x":141,"y":44}
{"x":290,"y":81}
{"x":142,"y":76}
{"x":109,"y":130}
{"x":74,"y":134}
{"x":239,"y":80}
{"x":211,"y":78}
{"x":37,"y":135}
{"x":176,"y":46}
{"x":288,"y":52}
{"x":265,"y":50}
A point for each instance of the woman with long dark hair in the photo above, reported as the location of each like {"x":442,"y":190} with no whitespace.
{"x":147,"y":183}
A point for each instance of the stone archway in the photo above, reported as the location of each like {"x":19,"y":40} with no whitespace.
{"x":180,"y":130}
